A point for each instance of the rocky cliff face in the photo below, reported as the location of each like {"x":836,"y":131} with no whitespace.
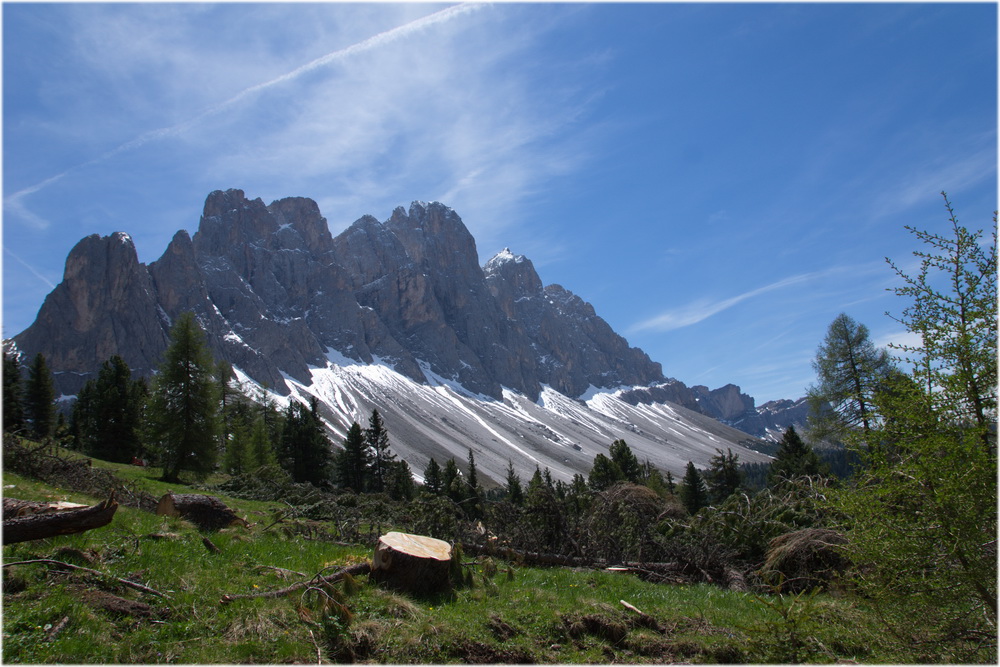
{"x":276,"y":294}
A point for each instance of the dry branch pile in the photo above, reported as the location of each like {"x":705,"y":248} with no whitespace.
{"x":51,"y":465}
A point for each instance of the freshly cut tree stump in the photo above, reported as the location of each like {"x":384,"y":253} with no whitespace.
{"x":412,"y":563}
{"x":25,"y":520}
{"x":206,"y":512}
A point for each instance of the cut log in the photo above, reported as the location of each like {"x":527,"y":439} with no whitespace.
{"x":49,"y":523}
{"x":412,"y":563}
{"x":14,"y":507}
{"x":206,"y":512}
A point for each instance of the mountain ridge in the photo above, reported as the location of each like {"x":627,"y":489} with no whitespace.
{"x":280,"y":297}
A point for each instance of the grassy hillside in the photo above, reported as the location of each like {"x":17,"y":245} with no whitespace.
{"x":503,"y":613}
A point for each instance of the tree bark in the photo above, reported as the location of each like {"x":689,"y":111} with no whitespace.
{"x":206,"y":512}
{"x":412,"y":563}
{"x":47,"y":523}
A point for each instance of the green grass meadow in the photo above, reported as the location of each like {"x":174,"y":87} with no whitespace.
{"x":502,"y":613}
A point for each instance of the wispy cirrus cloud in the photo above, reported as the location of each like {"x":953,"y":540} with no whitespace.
{"x":702,"y":309}
{"x":15,"y":203}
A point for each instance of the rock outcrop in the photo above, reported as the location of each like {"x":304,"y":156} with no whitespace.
{"x":276,"y":293}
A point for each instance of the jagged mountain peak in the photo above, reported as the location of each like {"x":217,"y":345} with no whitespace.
{"x":285,"y":302}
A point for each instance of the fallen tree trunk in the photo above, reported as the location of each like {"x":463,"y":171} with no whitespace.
{"x":41,"y":525}
{"x":412,"y":563}
{"x":206,"y":512}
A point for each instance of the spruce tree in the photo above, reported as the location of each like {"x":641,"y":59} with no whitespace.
{"x":433,"y":479}
{"x":39,"y":399}
{"x":623,"y":457}
{"x":183,"y":411}
{"x":693,"y":493}
{"x":305,"y":450}
{"x":451,"y":478}
{"x":13,"y":392}
{"x":515,"y":493}
{"x":352,"y":460}
{"x":794,"y":458}
{"x":604,"y":473}
{"x":108,"y":412}
{"x":723,"y":476}
{"x":401,"y":485}
{"x":381,"y":459}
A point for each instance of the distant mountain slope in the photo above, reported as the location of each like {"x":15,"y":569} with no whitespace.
{"x":486,"y":357}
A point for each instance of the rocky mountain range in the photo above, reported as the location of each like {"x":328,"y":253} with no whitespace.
{"x":397,"y":315}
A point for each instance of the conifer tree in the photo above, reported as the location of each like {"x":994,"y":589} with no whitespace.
{"x":850,"y":370}
{"x":39,"y":399}
{"x":108,"y":412}
{"x":182,"y":416}
{"x":433,"y":479}
{"x":13,"y":391}
{"x":604,"y":473}
{"x":380,"y":458}
{"x":352,"y":461}
{"x":454,"y":486}
{"x":623,"y":457}
{"x":305,"y":450}
{"x":693,"y":493}
{"x":401,"y":485}
{"x":515,"y":493}
{"x":922,"y":512}
{"x":794,"y":458}
{"x":723,"y":476}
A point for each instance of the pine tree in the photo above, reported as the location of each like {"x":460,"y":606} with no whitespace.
{"x":39,"y":399}
{"x":377,"y":441}
{"x":794,"y":458}
{"x":693,"y":493}
{"x":13,"y":392}
{"x":352,"y":461}
{"x":182,"y":416}
{"x":723,"y":476}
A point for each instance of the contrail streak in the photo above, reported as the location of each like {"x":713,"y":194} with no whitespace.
{"x":14,"y":201}
{"x":30,"y":268}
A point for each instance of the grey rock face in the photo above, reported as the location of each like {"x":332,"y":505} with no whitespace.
{"x":105,"y":305}
{"x":275,"y":292}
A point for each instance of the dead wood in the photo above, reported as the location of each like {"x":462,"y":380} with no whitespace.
{"x":353,"y":570}
{"x":59,"y":563}
{"x":210,"y":546}
{"x":37,"y":523}
{"x":56,"y":629}
{"x":412,"y":563}
{"x":206,"y":512}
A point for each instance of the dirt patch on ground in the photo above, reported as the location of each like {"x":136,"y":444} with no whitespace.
{"x":501,"y":629}
{"x":481,"y":653}
{"x":597,"y":625}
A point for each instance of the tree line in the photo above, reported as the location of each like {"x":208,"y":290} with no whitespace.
{"x":191,"y":417}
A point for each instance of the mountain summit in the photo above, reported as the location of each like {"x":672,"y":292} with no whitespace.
{"x":397,"y":315}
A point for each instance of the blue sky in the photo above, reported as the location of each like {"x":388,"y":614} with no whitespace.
{"x":719,"y":180}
